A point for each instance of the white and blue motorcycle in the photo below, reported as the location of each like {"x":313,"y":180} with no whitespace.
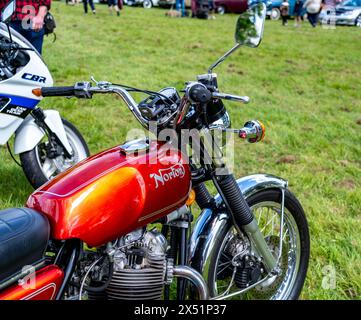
{"x":46,"y":143}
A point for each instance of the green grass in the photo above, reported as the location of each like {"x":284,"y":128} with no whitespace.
{"x":305,"y":85}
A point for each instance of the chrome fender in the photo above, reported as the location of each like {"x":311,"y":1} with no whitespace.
{"x":211,"y":222}
{"x":28,"y":135}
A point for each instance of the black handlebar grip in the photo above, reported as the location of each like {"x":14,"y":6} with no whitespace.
{"x":199,"y":93}
{"x":58,"y":91}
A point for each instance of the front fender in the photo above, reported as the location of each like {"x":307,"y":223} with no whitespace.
{"x":210,"y":223}
{"x":28,"y":135}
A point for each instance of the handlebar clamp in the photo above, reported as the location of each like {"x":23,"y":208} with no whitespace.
{"x":81,"y":90}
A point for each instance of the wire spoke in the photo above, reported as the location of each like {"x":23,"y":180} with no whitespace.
{"x":219,"y":272}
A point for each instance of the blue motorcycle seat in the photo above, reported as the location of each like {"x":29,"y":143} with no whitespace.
{"x":24,"y":235}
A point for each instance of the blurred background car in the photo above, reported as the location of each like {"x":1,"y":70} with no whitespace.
{"x":230,"y":6}
{"x":147,"y":4}
{"x":346,"y":13}
{"x":169,"y":3}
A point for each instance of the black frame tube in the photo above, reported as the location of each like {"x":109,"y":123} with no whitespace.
{"x":182,"y":260}
{"x":75,"y":247}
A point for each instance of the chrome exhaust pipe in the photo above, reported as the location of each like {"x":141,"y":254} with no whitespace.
{"x":195,"y":277}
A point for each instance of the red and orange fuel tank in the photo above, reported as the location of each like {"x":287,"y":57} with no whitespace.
{"x":114,"y":192}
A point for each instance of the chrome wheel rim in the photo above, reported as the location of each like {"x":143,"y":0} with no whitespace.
{"x":275,"y":14}
{"x":276,"y":287}
{"x":147,"y":4}
{"x":51,"y":167}
{"x":221,"y":10}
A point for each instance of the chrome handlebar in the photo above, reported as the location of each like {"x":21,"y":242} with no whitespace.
{"x":85,"y":90}
{"x":106,"y":87}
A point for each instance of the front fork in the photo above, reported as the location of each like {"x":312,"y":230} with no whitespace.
{"x":236,"y":204}
{"x":56,"y":146}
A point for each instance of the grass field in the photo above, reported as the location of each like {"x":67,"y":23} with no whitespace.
{"x":305,"y":85}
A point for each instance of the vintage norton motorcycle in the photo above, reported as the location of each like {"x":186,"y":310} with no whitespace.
{"x":45,"y":142}
{"x":118,"y":224}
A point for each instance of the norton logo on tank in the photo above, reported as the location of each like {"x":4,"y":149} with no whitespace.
{"x":165,"y":175}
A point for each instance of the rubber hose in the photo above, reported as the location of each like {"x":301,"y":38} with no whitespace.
{"x":104,"y":286}
{"x":203,"y":197}
{"x":235,"y":199}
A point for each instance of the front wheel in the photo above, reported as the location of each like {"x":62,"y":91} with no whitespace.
{"x":234,"y":266}
{"x":147,"y":4}
{"x":275,"y":14}
{"x":221,"y":10}
{"x":358,"y":21}
{"x":39,"y":168}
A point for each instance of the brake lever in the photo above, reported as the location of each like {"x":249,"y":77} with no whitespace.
{"x":231,"y":97}
{"x":100,"y":84}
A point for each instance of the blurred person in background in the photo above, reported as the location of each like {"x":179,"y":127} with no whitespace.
{"x":28,"y":20}
{"x":120,"y":4}
{"x":298,"y":12}
{"x":212,"y":8}
{"x":313,"y":8}
{"x":91,"y":4}
{"x":113,"y":5}
{"x":285,"y":9}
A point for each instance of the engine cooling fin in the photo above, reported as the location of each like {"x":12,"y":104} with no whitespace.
{"x":138,"y":284}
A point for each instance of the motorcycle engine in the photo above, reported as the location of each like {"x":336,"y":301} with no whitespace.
{"x":138,"y":268}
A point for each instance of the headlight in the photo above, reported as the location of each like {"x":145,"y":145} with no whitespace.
{"x":220,"y":135}
{"x":224,"y":122}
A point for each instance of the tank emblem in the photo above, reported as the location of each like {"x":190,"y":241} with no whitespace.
{"x":165,"y":175}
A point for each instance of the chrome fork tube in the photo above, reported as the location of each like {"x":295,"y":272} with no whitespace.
{"x":251,"y":227}
{"x":255,"y":234}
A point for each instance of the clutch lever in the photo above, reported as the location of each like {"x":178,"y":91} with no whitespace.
{"x":231,"y":97}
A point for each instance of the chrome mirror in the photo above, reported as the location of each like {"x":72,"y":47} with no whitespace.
{"x":8,"y":11}
{"x":249,"y":27}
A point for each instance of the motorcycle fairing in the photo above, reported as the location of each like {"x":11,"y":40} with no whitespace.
{"x":13,"y":109}
{"x":19,"y":89}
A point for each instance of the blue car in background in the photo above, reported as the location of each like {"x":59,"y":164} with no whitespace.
{"x":273,"y":9}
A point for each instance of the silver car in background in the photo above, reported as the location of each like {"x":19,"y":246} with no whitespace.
{"x":147,"y":4}
{"x":346,"y":13}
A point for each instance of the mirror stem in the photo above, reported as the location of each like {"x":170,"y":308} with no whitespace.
{"x":221,"y":59}
{"x":10,"y":37}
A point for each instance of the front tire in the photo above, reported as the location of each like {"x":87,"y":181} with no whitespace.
{"x":275,"y":14}
{"x":147,"y":4}
{"x":39,"y":168}
{"x":221,"y":10}
{"x":295,"y":252}
{"x":358,"y":21}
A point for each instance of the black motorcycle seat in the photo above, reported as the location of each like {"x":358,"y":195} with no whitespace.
{"x":24,"y":234}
